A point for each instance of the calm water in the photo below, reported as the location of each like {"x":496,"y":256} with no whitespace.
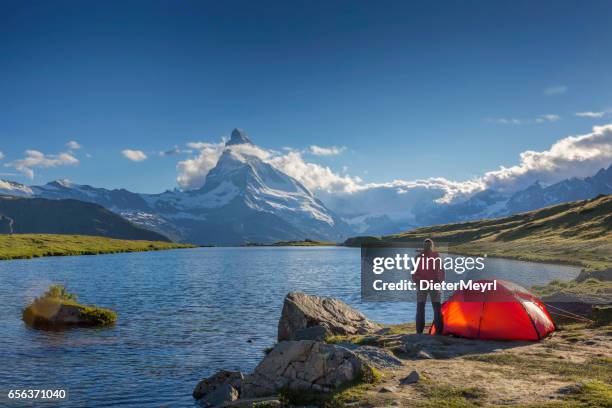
{"x":183,"y":314}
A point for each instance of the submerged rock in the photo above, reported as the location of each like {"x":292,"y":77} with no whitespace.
{"x":301,"y":311}
{"x":304,"y":366}
{"x":58,"y":309}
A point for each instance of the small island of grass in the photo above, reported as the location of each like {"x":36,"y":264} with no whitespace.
{"x":24,"y":246}
{"x":58,"y":309}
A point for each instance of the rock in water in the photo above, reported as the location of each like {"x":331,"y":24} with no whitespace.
{"x":302,"y":311}
{"x":220,"y":388}
{"x":304,"y":366}
{"x":58,"y":309}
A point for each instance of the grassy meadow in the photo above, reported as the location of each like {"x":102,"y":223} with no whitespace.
{"x":24,"y":246}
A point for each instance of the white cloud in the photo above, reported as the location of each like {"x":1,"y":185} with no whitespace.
{"x":555,"y":90}
{"x":36,"y":159}
{"x":314,"y":176}
{"x":134,"y":155}
{"x":573,"y":156}
{"x":175,"y":151}
{"x":73,"y":145}
{"x":1,"y":156}
{"x":550,"y":117}
{"x":192,"y":172}
{"x":326,"y":151}
{"x":590,"y":114}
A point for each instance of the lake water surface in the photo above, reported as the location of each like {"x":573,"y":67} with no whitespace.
{"x":183,"y":314}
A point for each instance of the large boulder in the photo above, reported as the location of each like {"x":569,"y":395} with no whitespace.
{"x":219,"y":389}
{"x":304,"y":365}
{"x":302,"y":311}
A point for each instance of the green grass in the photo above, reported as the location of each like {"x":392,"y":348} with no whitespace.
{"x":596,"y":369}
{"x":24,"y":246}
{"x":594,"y":394}
{"x":591,"y":287}
{"x":36,"y":314}
{"x":445,"y":396}
{"x":577,"y":233}
{"x":306,"y":242}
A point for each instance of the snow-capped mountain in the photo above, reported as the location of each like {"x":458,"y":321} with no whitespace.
{"x":14,"y":189}
{"x":244,"y":199}
{"x":537,"y":196}
{"x":492,"y":204}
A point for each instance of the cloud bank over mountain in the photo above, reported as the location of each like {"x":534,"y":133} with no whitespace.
{"x":572,"y":156}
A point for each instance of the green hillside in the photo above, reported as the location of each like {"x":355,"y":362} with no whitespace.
{"x":42,"y":216}
{"x":578,"y":233}
{"x":18,"y":246}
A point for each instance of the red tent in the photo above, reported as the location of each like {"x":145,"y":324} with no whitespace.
{"x":509,"y":312}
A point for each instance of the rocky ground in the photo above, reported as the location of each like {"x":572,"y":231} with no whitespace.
{"x":330,"y":355}
{"x":572,"y":367}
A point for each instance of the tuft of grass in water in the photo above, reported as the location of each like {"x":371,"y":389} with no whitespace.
{"x":25,"y":246}
{"x":59,"y":292}
{"x":57,"y":296}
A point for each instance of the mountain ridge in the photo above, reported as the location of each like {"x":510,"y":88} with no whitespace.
{"x":244,"y":199}
{"x":19,"y":215}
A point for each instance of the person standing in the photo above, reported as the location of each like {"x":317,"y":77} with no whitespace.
{"x":430,"y":268}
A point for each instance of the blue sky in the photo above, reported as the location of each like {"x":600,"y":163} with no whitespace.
{"x":412,"y":90}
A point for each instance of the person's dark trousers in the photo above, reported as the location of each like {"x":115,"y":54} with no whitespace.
{"x":437,"y":308}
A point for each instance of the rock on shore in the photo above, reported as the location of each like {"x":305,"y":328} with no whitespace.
{"x":302,"y":362}
{"x":304,"y":365}
{"x":220,"y":388}
{"x":306,"y":317}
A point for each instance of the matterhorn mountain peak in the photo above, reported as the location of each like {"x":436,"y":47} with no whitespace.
{"x":237,"y":137}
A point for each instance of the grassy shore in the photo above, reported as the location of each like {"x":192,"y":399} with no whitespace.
{"x":576,"y":233}
{"x":24,"y":246}
{"x":306,"y":242}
